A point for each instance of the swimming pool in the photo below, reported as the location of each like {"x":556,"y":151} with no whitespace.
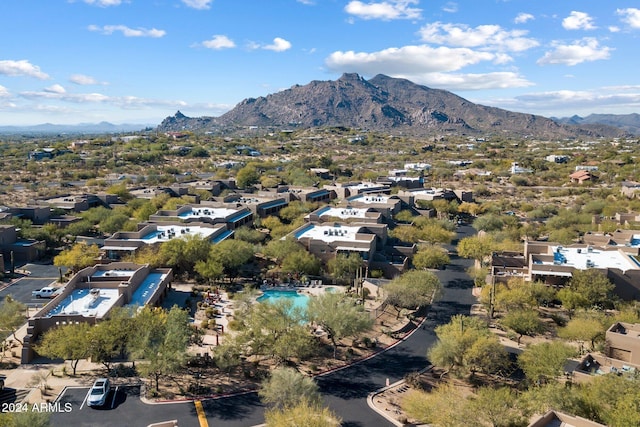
{"x":299,"y":300}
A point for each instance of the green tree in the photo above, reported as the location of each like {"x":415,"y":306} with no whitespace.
{"x":430,"y":257}
{"x":68,"y":342}
{"x":287,"y":387}
{"x":274,"y":330}
{"x":586,"y":327}
{"x":25,"y":419}
{"x":545,"y":361}
{"x":12,"y":316}
{"x":339,"y":315}
{"x":231,"y":254}
{"x":247,"y":176}
{"x":497,"y":407}
{"x":303,"y":414}
{"x":301,"y":262}
{"x":108,"y":338}
{"x":594,"y":286}
{"x":461,"y":345}
{"x":160,"y":339}
{"x":412,"y":290}
{"x":476,"y":247}
{"x":249,"y":235}
{"x":345,"y":267}
{"x":524,"y":322}
{"x":78,"y":257}
{"x":435,"y":407}
{"x":184,"y":252}
{"x":209,"y":271}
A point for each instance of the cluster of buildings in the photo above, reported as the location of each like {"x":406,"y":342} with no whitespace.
{"x":352,"y":218}
{"x":615,"y":254}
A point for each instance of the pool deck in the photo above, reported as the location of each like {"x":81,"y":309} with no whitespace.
{"x":309,"y":290}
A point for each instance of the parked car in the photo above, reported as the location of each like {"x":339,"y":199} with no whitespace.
{"x":46,"y":292}
{"x":98,"y":393}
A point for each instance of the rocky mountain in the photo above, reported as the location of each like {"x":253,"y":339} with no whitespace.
{"x":628,"y":122}
{"x":383,"y":104}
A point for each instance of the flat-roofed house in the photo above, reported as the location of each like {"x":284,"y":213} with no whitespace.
{"x":344,"y":214}
{"x":124,"y":243}
{"x":554,"y":264}
{"x":22,"y":249}
{"x":208,"y":212}
{"x":93,"y":292}
{"x":326,"y":241}
{"x":387,"y":205}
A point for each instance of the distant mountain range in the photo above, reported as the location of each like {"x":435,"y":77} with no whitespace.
{"x":82,"y":128}
{"x":627,"y":122}
{"x":383,"y":104}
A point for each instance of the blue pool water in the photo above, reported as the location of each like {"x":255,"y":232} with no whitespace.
{"x":299,"y":300}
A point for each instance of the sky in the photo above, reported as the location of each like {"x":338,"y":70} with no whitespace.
{"x":139,"y":61}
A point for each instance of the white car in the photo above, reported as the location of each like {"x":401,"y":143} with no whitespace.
{"x":46,"y":292}
{"x":98,"y":393}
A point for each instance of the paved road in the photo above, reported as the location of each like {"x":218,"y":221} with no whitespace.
{"x":344,"y":391}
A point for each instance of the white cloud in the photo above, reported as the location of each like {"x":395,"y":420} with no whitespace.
{"x":55,"y":89}
{"x":460,"y":82}
{"x":22,"y":67}
{"x":218,"y":42}
{"x":81,"y":79}
{"x":578,"y":21}
{"x":491,"y":37}
{"x":386,"y":10}
{"x":604,"y":99}
{"x":128,"y":32}
{"x":412,"y":60}
{"x":630,"y":16}
{"x":307,"y":2}
{"x":279,"y":45}
{"x":104,"y":3}
{"x":523,"y":18}
{"x":198,"y":4}
{"x":4,"y":92}
{"x":450,"y":7}
{"x":587,"y":49}
{"x":614,"y":29}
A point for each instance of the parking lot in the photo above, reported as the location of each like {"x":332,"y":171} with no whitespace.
{"x":123,"y":407}
{"x":39,"y":276}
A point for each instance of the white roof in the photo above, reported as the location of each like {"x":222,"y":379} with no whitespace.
{"x":328,"y":233}
{"x":345,"y":212}
{"x":584,"y":258}
{"x":95,"y":302}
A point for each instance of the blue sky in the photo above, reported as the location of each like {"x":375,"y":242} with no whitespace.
{"x":138,"y":61}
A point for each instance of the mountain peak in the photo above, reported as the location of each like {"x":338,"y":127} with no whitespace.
{"x":350,"y":77}
{"x":383,"y":104}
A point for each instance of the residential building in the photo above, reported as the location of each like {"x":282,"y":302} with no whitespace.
{"x":92,"y":293}
{"x":581,"y":176}
{"x":345,"y":190}
{"x":630,"y":189}
{"x":554,"y":264}
{"x":344,"y":214}
{"x":387,"y":205}
{"x":207,"y":212}
{"x":262,"y":204}
{"x":127,"y":242}
{"x":21,"y":250}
